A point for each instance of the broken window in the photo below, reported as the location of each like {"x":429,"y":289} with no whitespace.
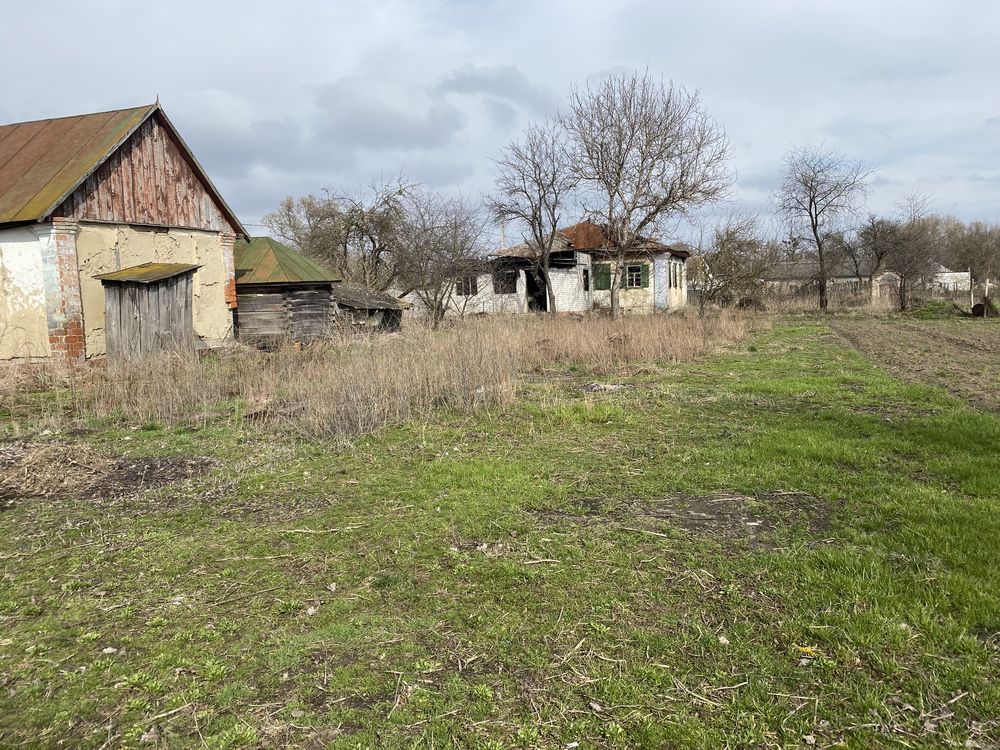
{"x":504,"y":281}
{"x":468,"y":286}
{"x":586,"y":279}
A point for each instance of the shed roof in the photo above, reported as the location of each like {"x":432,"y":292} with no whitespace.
{"x":365,"y":298}
{"x":264,"y":260}
{"x":43,"y":161}
{"x":147,"y":273}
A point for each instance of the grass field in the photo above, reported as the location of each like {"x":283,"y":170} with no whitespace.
{"x":779,"y":546}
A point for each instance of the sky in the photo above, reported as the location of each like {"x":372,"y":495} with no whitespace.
{"x":289,"y":98}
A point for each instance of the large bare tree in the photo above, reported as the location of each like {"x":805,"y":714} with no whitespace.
{"x":820,"y":187}
{"x":533,"y":185}
{"x":354,"y":232}
{"x":647,"y":153}
{"x":439,"y":244}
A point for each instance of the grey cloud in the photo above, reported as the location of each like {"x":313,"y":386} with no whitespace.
{"x":381,"y":113}
{"x":499,"y":81}
{"x":502,"y":114}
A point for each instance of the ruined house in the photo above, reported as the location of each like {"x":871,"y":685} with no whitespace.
{"x":581,"y":267}
{"x":112,"y":238}
{"x":364,"y":309}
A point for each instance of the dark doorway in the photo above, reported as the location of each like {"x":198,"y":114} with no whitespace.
{"x":534,"y":287}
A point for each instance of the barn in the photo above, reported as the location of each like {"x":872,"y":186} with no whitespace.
{"x":107,"y":223}
{"x":281,"y":295}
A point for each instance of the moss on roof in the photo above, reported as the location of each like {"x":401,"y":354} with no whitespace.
{"x":264,"y":260}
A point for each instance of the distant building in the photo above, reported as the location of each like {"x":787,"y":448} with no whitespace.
{"x":801,"y":277}
{"x":653,"y":278}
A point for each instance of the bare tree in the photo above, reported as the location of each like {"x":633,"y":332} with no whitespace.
{"x":439,"y":244}
{"x":820,"y":187}
{"x":974,"y":246}
{"x":352,"y":232}
{"x":867,"y":249}
{"x":732,"y":261}
{"x":647,"y":153}
{"x":533,"y":184}
{"x":912,"y":258}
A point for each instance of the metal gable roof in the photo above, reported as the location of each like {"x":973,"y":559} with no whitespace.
{"x":42,"y":162}
{"x":264,"y":260}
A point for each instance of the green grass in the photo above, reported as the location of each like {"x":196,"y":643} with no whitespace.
{"x":506,"y":580}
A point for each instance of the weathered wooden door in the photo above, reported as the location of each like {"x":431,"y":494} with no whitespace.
{"x":142,"y":319}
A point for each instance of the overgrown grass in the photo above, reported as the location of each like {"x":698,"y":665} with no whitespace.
{"x":529,"y":576}
{"x":353,"y":386}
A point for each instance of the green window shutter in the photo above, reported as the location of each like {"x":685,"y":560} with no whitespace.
{"x":645,"y":275}
{"x":602,"y":277}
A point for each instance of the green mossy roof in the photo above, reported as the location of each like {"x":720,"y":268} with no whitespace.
{"x":264,"y":260}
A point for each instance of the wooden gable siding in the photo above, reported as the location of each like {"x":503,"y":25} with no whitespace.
{"x":147,"y":180}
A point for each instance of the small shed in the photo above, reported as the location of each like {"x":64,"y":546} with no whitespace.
{"x":280,"y":294}
{"x":148,"y":309}
{"x":368,"y":309}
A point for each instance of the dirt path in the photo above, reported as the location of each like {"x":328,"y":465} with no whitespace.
{"x":962,"y":356}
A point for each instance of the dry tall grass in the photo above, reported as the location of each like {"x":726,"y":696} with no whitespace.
{"x":356,"y":386}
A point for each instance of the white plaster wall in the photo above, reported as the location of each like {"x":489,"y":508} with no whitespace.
{"x":23,"y":323}
{"x":103,"y":248}
{"x":661,"y":282}
{"x":678,"y":295}
{"x":959,"y":281}
{"x":484,"y":301}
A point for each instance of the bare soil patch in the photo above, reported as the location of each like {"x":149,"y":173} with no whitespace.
{"x":67,"y":471}
{"x":962,"y":356}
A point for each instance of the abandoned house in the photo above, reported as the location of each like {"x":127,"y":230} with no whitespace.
{"x":280,"y":294}
{"x":653,"y":278}
{"x":112,"y":239}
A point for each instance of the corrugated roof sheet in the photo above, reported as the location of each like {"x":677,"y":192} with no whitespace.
{"x":147,"y":273}
{"x":365,"y":298}
{"x":264,"y":260}
{"x":42,"y":162}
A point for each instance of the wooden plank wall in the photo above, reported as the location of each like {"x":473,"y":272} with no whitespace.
{"x":146,"y":181}
{"x":144,"y":319}
{"x":298,"y":313}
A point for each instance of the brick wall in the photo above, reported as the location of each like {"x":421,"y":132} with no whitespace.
{"x":63,"y":305}
{"x":227,"y":240}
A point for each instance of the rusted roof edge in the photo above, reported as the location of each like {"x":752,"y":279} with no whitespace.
{"x":97,"y":164}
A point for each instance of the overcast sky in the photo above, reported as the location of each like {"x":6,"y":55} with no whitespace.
{"x":286,"y":98}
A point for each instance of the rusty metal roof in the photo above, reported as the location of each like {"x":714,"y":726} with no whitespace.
{"x":264,"y":260}
{"x":365,"y":298}
{"x":587,"y":235}
{"x":147,"y":273}
{"x":42,"y":162}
